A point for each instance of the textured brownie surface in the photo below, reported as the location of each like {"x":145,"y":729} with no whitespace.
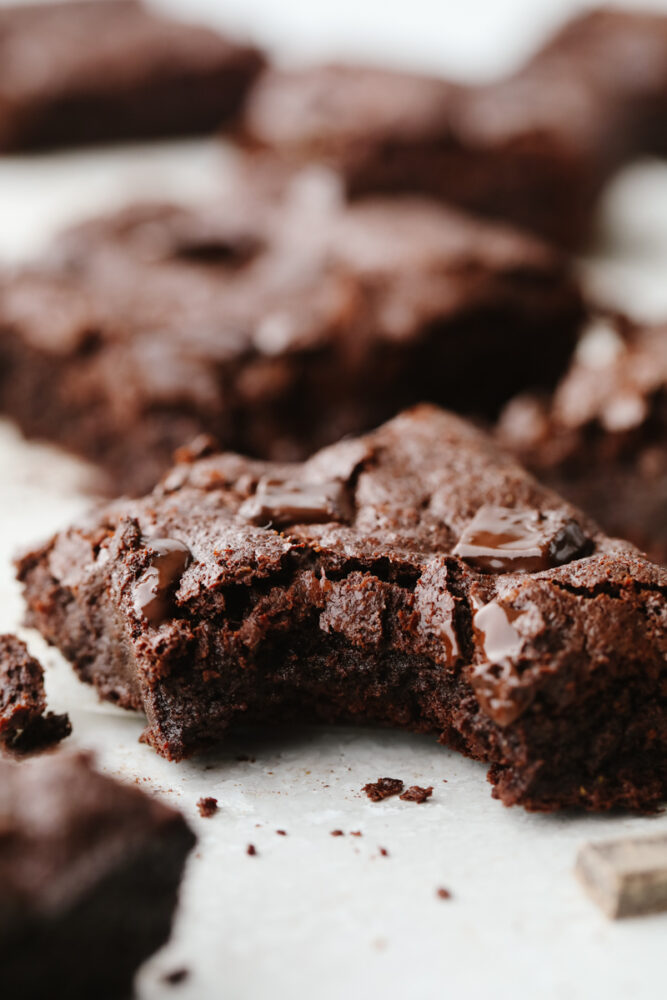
{"x":277,"y":320}
{"x":416,"y":577}
{"x":534,"y":148}
{"x":85,"y":71}
{"x":25,"y":725}
{"x":601,"y":440}
{"x":89,"y":876}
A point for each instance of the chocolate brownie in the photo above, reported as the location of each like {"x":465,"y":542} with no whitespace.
{"x":274,"y":323}
{"x":84,"y":71}
{"x":25,"y":725}
{"x":535,"y":148}
{"x":89,"y":877}
{"x":601,"y":439}
{"x":415,"y":577}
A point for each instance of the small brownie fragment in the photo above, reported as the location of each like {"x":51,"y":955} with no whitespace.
{"x":176,"y":977}
{"x":207,"y":807}
{"x":339,"y":316}
{"x":554,"y":677}
{"x":535,"y":148}
{"x":383,"y":788}
{"x":337,"y":833}
{"x":88,"y":860}
{"x":443,"y":894}
{"x":601,"y":439}
{"x":251,"y":850}
{"x":113,"y":70}
{"x":384,"y":852}
{"x":25,"y":725}
{"x":415,"y":793}
{"x":626,"y":878}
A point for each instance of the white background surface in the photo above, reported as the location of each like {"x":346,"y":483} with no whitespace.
{"x":315,"y":916}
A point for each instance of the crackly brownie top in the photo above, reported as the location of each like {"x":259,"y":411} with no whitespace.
{"x":493,"y":568}
{"x":259,"y":274}
{"x":340,"y":110}
{"x":64,"y":826}
{"x":615,"y":390}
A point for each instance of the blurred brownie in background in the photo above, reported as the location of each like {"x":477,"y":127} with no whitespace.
{"x":601,"y":439}
{"x":89,"y":877}
{"x":82,"y":71}
{"x":276,"y":321}
{"x":534,"y":148}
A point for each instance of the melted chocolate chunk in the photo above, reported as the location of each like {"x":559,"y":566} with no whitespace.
{"x":494,"y":629}
{"x":169,"y":559}
{"x":279,"y":503}
{"x":503,"y":540}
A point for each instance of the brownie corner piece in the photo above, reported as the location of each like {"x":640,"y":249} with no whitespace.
{"x":600,"y":439}
{"x":89,"y":878}
{"x":25,"y":725}
{"x":415,"y":576}
{"x":151,"y":75}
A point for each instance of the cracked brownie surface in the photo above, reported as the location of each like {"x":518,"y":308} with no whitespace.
{"x":415,"y":577}
{"x":82,"y":71}
{"x":85,"y":861}
{"x":277,"y":320}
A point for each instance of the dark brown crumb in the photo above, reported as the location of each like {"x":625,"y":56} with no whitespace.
{"x":417,"y":794}
{"x":355,"y":833}
{"x":207,"y":807}
{"x":443,"y":894}
{"x":25,"y":725}
{"x":176,"y":977}
{"x":282,"y":833}
{"x":337,"y":833}
{"x":383,"y":788}
{"x":251,"y":850}
{"x":384,"y":852}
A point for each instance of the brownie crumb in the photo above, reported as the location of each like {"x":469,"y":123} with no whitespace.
{"x":355,"y":833}
{"x":281,"y":833}
{"x":337,"y":833}
{"x":207,"y":807}
{"x":384,"y":852}
{"x":176,"y":977}
{"x":443,"y":894}
{"x":251,"y":850}
{"x":25,"y":725}
{"x":383,"y":788}
{"x":417,"y":794}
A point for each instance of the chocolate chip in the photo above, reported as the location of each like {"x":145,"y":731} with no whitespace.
{"x":504,"y":540}
{"x":168,"y":560}
{"x":279,"y":502}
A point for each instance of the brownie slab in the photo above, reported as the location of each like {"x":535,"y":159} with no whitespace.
{"x":534,"y":148}
{"x":276,"y":321}
{"x":25,"y":725}
{"x":415,"y":577}
{"x":89,"y":877}
{"x":82,"y":71}
{"x":601,"y":439}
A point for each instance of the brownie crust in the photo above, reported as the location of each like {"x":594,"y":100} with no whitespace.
{"x":415,"y":577}
{"x":276,"y":321}
{"x":113,"y":69}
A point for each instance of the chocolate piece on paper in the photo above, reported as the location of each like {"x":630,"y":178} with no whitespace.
{"x":626,"y":878}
